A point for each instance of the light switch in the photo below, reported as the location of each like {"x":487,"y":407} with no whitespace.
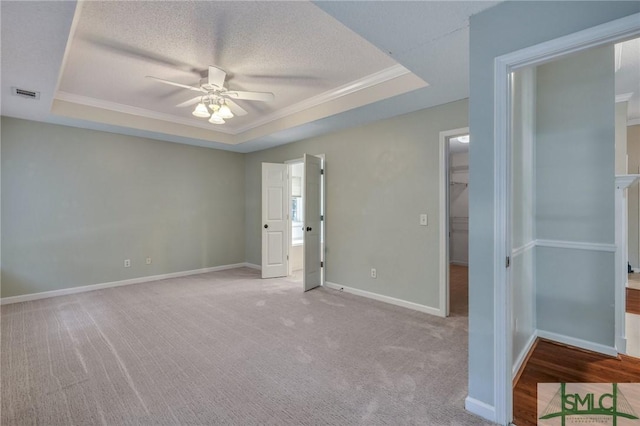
{"x":423,"y":219}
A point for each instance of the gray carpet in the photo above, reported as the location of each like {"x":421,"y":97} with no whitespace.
{"x":229,"y":348}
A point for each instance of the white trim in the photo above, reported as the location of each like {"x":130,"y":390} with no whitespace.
{"x":578,"y":343}
{"x":370,"y":80}
{"x":92,"y":287}
{"x":523,"y":353}
{"x":386,"y":299}
{"x":624,"y":97}
{"x":252,"y":266}
{"x":72,"y":32}
{"x":625,"y":181}
{"x":600,"y":35}
{"x":140,"y":112}
{"x":522,"y":249}
{"x":622,"y":182}
{"x":480,"y":408}
{"x":443,"y":204}
{"x":633,"y":121}
{"x":503,"y":394}
{"x":577,"y":245}
{"x":610,"y":32}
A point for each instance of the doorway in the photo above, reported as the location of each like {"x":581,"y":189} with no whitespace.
{"x":454,"y":221}
{"x":296,"y":219}
{"x":565,"y":217}
{"x":293,"y":220}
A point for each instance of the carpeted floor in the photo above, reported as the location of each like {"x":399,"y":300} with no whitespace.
{"x":229,"y":348}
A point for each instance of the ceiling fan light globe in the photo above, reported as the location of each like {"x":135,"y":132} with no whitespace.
{"x":225,"y":112}
{"x":201,"y":111}
{"x":216,"y":119}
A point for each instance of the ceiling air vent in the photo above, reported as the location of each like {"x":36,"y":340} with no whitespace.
{"x":25,"y":93}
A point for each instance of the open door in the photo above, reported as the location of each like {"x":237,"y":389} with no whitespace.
{"x":274,"y":220}
{"x":312,"y":241}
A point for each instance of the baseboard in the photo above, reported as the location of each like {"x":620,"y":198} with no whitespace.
{"x":480,"y":408}
{"x":578,"y":343}
{"x":92,"y":287}
{"x":253,"y":266}
{"x":524,"y":354}
{"x":459,"y":263}
{"x":386,"y":299}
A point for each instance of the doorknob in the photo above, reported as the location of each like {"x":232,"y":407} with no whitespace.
{"x":266,"y":226}
{"x":308,"y":228}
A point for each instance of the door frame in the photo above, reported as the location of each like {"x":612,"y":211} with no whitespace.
{"x":443,"y":202}
{"x":611,"y":32}
{"x":289,"y":163}
{"x":323,"y":208}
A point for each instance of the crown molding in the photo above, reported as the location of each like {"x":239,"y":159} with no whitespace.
{"x":131,"y":110}
{"x":624,"y":97}
{"x":347,"y":89}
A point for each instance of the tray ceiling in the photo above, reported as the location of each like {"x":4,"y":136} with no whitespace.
{"x":292,"y":49}
{"x":331,"y":65}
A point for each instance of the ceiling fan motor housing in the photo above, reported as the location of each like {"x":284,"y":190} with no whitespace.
{"x":204,"y":84}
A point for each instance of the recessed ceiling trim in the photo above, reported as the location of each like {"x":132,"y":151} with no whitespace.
{"x":349,"y":88}
{"x":67,"y":48}
{"x":127,"y":109}
{"x":624,"y":97}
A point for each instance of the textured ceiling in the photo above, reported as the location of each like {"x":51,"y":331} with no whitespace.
{"x":292,"y":49}
{"x":113,"y":45}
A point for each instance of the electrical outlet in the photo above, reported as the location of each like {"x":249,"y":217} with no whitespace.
{"x":127,"y":263}
{"x":424,"y":219}
{"x":148,"y":261}
{"x":374,"y":273}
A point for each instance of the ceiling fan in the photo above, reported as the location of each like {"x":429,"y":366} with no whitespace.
{"x":217,"y":98}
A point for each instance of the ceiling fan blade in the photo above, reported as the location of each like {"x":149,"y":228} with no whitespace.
{"x":216,"y":76}
{"x":250,"y":96}
{"x":138,"y":53}
{"x":184,"y":86}
{"x":190,"y":102}
{"x":235,"y":108}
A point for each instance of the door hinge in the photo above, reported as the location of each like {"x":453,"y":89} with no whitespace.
{"x":321,"y":217}
{"x":321,"y":171}
{"x":322,"y":264}
{"x":508,"y":262}
{"x":287,"y":257}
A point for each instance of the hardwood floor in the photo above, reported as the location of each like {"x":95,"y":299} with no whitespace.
{"x":458,"y":290}
{"x":555,"y":363}
{"x":633,"y":301}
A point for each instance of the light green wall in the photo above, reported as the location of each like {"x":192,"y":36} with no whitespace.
{"x":380,"y":177}
{"x":76,"y":203}
{"x":575,"y":195}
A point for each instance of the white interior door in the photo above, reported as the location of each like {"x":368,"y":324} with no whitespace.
{"x":274,"y":220}
{"x":312,"y":242}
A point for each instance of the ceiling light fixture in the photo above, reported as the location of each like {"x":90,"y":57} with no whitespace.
{"x":225,"y":111}
{"x":463,"y":139}
{"x":201,"y":111}
{"x":216,"y":119}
